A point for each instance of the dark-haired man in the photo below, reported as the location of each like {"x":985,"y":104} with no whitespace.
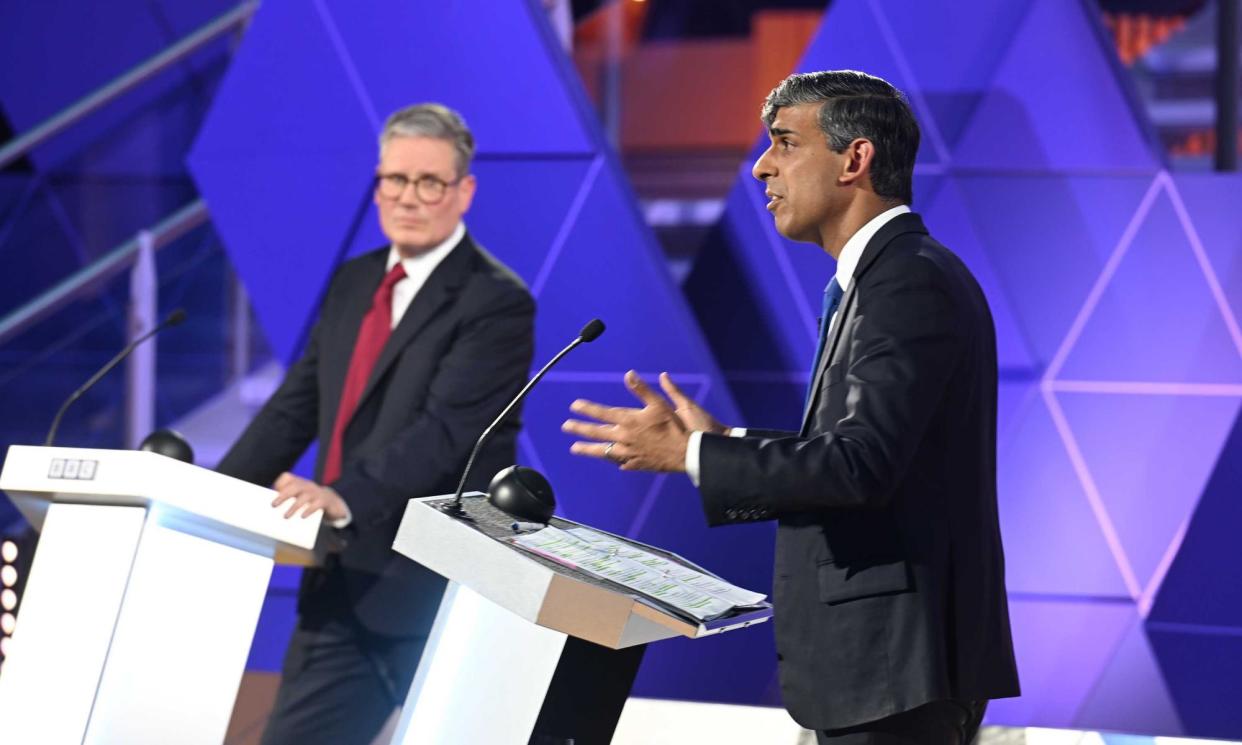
{"x":417,"y":347}
{"x":892,"y":624}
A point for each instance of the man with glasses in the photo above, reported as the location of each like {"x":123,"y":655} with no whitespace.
{"x":418,"y":345}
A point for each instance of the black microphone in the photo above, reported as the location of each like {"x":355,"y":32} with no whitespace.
{"x":589,"y":333}
{"x":174,"y":318}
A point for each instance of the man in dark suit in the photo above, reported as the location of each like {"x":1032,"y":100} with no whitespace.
{"x":891,"y":619}
{"x":418,"y":345}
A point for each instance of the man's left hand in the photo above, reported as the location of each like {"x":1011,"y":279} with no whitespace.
{"x":652,"y":438}
{"x":308,"y":497}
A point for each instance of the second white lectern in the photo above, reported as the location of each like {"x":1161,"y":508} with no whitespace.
{"x":525,"y":649}
{"x":143,"y":597}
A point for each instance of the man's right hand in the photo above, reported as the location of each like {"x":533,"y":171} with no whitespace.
{"x":693,"y":416}
{"x":308,"y":497}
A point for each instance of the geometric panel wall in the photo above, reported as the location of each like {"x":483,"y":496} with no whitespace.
{"x":56,"y":52}
{"x":93,"y":186}
{"x":285,"y":162}
{"x":1115,"y":287}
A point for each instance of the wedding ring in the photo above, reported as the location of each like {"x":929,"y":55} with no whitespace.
{"x":608,"y":449}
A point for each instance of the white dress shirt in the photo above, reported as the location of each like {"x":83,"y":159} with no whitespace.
{"x":417,"y":270}
{"x":847,"y":262}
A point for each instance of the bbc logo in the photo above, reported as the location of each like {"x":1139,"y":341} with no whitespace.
{"x":72,"y":468}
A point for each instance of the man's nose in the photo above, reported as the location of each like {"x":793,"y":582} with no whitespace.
{"x":409,"y":197}
{"x":762,"y":170}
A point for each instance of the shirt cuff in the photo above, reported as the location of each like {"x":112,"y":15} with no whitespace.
{"x":344,"y":521}
{"x":692,"y":456}
{"x":692,"y":451}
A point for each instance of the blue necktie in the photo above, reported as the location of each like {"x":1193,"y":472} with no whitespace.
{"x":832,"y":298}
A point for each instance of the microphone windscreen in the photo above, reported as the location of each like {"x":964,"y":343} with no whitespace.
{"x":592,"y":330}
{"x":170,"y":443}
{"x":175,"y":318}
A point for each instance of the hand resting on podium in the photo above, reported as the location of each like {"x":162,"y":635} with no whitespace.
{"x":310,"y":497}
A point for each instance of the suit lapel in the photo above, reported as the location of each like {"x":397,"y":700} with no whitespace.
{"x":845,"y":307}
{"x":439,"y":290}
{"x":358,"y":298}
{"x":905,"y":223}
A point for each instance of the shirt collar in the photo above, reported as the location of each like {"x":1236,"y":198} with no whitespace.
{"x":853,"y":249}
{"x":430,"y":259}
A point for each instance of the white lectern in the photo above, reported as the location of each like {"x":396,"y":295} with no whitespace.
{"x":143,"y":597}
{"x":524,"y":649}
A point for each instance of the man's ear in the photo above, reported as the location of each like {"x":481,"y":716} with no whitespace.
{"x":465,"y":191}
{"x":859,"y":155}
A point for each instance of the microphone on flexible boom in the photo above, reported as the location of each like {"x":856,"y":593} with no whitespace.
{"x":174,"y":318}
{"x":542,"y":503}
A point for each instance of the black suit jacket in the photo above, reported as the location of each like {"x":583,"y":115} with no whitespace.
{"x":459,"y":354}
{"x":889,"y":586}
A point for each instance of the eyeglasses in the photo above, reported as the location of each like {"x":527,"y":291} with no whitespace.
{"x":429,"y":189}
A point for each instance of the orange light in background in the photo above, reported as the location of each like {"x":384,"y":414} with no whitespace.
{"x":1199,"y":143}
{"x":591,"y":33}
{"x":1136,"y":33}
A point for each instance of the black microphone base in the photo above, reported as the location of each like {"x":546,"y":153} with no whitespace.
{"x":523,"y":493}
{"x":454,"y":510}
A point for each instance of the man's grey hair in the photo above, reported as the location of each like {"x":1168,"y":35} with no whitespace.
{"x":436,"y":121}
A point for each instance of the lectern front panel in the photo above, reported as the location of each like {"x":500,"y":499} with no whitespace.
{"x":181,"y":640}
{"x":483,"y":675}
{"x":68,"y":616}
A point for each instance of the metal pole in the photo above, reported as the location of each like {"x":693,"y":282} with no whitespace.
{"x":612,"y":73}
{"x":239,"y":320}
{"x":140,"y":367}
{"x":561,"y":18}
{"x":1226,"y":85}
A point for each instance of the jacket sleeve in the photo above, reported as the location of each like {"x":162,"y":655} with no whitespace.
{"x":905,"y":345}
{"x":768,"y":434}
{"x":485,"y":366}
{"x":287,"y":423}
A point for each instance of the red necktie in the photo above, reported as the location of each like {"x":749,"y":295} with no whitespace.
{"x":374,"y":331}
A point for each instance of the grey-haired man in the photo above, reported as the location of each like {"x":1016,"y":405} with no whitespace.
{"x":418,"y":345}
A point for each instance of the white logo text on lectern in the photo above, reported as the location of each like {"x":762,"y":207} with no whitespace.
{"x":72,"y":468}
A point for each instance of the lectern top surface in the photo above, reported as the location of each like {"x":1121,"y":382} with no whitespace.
{"x":492,"y":522}
{"x":35,"y":477}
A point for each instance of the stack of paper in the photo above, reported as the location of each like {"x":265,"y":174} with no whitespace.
{"x":701,"y":595}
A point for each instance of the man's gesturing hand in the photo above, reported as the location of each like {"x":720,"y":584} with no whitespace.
{"x":693,"y":416}
{"x":308,"y":497}
{"x":652,"y":438}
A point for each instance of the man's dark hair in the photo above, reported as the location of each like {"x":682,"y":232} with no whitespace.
{"x":857,"y":105}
